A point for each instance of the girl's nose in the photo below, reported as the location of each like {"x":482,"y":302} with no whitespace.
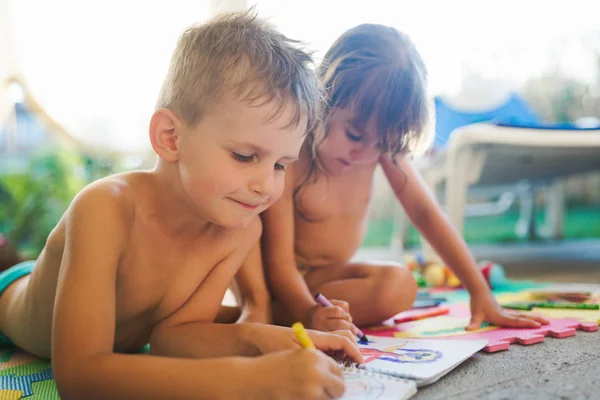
{"x":365,"y":154}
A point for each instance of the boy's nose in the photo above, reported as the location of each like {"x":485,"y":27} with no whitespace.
{"x":263,"y":185}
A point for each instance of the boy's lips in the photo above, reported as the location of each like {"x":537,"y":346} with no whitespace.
{"x":248,"y":206}
{"x":344,"y":162}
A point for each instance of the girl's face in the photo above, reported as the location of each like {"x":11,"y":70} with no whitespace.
{"x":345,"y":146}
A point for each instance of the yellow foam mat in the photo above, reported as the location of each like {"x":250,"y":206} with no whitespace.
{"x":10,"y":394}
{"x":582,"y":315}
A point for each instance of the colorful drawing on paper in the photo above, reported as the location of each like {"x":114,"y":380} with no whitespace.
{"x":401,"y":355}
{"x":363,"y":387}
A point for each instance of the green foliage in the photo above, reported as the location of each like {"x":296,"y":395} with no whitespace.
{"x":581,"y":222}
{"x":559,"y":97}
{"x":34,"y":201}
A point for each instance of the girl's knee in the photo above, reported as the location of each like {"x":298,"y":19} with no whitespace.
{"x":396,"y":290}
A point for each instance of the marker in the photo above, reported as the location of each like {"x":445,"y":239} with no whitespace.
{"x":322,"y":300}
{"x":415,"y":316}
{"x":524,"y":306}
{"x":302,"y":336}
{"x":426,"y":303}
{"x":575,"y":306}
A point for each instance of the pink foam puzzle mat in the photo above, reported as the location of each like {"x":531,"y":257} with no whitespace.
{"x":452,"y":326}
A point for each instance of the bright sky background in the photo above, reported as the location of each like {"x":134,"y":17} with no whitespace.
{"x":97,"y":66}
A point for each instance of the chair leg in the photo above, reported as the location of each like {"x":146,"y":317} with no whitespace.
{"x":525,"y":226}
{"x":400,"y":234}
{"x":456,"y":190}
{"x":457,"y":185}
{"x":553,"y":229}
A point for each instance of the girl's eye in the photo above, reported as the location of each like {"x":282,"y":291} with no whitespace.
{"x":279,"y":167}
{"x":353,"y":137}
{"x":241,"y":157}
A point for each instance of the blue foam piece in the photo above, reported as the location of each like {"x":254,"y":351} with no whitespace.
{"x":23,"y":383}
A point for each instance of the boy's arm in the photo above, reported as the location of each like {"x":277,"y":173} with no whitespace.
{"x":252,"y":292}
{"x":83,"y":361}
{"x":277,"y":244}
{"x":428,"y":218}
{"x":191,"y":339}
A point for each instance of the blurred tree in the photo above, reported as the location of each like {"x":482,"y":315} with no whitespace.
{"x":560,"y":97}
{"x":34,"y":201}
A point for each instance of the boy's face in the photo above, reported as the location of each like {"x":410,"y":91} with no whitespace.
{"x":345,"y":145}
{"x":233,"y":162}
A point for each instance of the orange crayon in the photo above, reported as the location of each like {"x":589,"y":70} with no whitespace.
{"x":417,"y":315}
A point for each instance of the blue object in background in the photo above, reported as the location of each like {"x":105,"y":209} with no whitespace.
{"x":448,"y":118}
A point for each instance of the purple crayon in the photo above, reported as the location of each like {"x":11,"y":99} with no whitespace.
{"x":322,"y":300}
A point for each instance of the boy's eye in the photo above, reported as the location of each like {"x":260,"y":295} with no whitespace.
{"x":242,"y":158}
{"x":251,"y":159}
{"x":353,"y":137}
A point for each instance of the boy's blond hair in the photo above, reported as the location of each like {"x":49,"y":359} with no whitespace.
{"x":240,"y":55}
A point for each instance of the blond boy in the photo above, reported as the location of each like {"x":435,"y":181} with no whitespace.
{"x":146,"y":257}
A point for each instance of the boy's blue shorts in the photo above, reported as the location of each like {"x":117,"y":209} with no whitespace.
{"x":9,"y":276}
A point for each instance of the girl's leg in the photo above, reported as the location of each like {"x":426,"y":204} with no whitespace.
{"x":375,"y":291}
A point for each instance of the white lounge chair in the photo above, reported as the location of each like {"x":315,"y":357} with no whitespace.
{"x":487,"y":155}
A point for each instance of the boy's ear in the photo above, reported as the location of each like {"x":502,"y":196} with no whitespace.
{"x":165,"y":129}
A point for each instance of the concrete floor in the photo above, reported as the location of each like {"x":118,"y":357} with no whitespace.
{"x":566,"y":368}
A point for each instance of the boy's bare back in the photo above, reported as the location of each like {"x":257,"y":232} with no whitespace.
{"x":159,"y":272}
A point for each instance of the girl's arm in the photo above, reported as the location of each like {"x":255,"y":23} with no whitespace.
{"x":277,"y":244}
{"x":432,"y":223}
{"x":251,"y":289}
{"x":428,"y":218}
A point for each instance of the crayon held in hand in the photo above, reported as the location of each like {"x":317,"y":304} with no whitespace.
{"x":322,"y":300}
{"x":302,"y":336}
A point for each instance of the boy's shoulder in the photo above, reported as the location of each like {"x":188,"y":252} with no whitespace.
{"x":120,"y":192}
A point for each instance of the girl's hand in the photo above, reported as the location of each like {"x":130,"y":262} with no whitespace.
{"x":485,"y":308}
{"x":341,"y":344}
{"x":331,"y":318}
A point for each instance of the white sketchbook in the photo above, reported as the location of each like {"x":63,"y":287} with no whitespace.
{"x":395,"y":367}
{"x":365,"y":385}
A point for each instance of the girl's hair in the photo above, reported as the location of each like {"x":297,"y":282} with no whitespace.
{"x":374,"y":71}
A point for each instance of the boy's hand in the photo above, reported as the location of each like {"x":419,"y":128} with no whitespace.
{"x":331,"y":318}
{"x":341,"y":344}
{"x":338,"y":344}
{"x":485,"y":308}
{"x":296,"y":375}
